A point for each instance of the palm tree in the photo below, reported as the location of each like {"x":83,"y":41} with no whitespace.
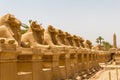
{"x":106,"y":45}
{"x":24,"y":28}
{"x":99,"y":40}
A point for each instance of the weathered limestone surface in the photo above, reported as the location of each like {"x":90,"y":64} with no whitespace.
{"x":9,"y":41}
{"x":8,"y":59}
{"x":45,"y":54}
{"x":10,"y":29}
{"x":34,"y":36}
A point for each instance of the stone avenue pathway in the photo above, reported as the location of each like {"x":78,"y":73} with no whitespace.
{"x":108,"y":73}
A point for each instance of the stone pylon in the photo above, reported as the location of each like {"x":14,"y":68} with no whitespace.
{"x":114,"y":41}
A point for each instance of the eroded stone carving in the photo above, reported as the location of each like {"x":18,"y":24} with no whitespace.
{"x":50,"y":37}
{"x":10,"y":29}
{"x":88,"y":44}
{"x":34,"y":36}
{"x":81,"y":41}
{"x":69,"y":39}
{"x":97,"y":47}
{"x":61,"y":37}
{"x":50,"y":62}
{"x":76,"y":41}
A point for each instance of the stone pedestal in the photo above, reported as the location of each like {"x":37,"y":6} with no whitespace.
{"x":55,"y":66}
{"x":79,"y":60}
{"x":73,"y":64}
{"x":84,"y":64}
{"x":70,"y":63}
{"x":37,"y":65}
{"x":67,"y":62}
{"x":8,"y":55}
{"x":51,"y":64}
{"x":47,"y":64}
{"x":30,"y":64}
{"x":62,"y":66}
{"x":24,"y":64}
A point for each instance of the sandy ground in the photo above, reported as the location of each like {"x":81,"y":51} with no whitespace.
{"x":109,"y":72}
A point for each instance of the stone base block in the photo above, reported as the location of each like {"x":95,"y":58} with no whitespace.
{"x":47,"y":74}
{"x":62,"y":72}
{"x":24,"y":75}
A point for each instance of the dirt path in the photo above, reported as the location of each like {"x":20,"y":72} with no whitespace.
{"x":108,"y":73}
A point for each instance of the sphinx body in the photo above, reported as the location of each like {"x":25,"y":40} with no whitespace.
{"x":70,"y":39}
{"x":76,"y":41}
{"x":88,"y":44}
{"x":50,"y":37}
{"x":61,"y":37}
{"x":81,"y":41}
{"x":10,"y":29}
{"x":34,"y":36}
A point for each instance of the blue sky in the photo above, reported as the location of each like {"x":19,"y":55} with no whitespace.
{"x":86,"y":18}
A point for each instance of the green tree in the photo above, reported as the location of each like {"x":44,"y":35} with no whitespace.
{"x":99,"y":40}
{"x":106,"y":45}
{"x":24,"y":28}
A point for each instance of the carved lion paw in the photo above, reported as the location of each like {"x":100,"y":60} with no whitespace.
{"x":11,"y":41}
{"x":2,"y":40}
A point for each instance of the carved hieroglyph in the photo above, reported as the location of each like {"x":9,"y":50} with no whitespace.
{"x":34,"y":36}
{"x":10,"y":29}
